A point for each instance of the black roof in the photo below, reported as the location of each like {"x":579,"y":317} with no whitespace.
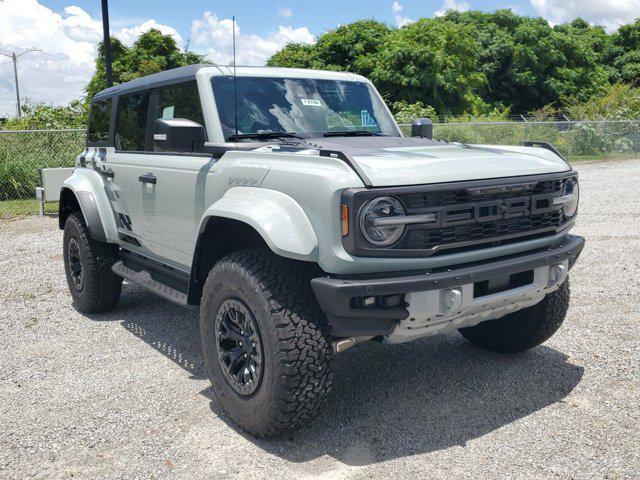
{"x":175,"y":75}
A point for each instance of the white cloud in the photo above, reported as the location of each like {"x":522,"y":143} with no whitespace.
{"x":129,"y":35}
{"x":65,"y":65}
{"x":401,"y":21}
{"x":213,"y":36}
{"x":69,"y":39}
{"x":285,"y":12}
{"x":459,"y":6}
{"x":610,"y":14}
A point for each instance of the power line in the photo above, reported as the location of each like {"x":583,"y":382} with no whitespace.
{"x":14,"y":57}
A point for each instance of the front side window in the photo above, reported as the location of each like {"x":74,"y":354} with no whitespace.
{"x":99,"y":118}
{"x":304,"y":107}
{"x":132,"y":123}
{"x":179,"y":101}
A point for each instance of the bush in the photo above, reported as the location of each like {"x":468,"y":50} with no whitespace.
{"x":24,"y":154}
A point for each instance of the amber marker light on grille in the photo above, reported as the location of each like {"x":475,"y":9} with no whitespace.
{"x":344,"y":218}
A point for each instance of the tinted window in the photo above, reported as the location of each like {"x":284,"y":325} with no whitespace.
{"x":300,"y":105}
{"x":99,"y":117}
{"x":132,"y":123}
{"x":180,"y":101}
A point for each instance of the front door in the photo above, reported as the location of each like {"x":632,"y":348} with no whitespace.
{"x":164,"y":191}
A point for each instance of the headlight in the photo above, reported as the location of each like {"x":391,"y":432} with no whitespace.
{"x":377,"y":233}
{"x":569,"y":198}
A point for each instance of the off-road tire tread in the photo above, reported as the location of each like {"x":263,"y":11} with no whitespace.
{"x":304,"y":352}
{"x":525,"y":328}
{"x":102,"y":287}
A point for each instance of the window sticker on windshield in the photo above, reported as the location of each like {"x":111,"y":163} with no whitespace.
{"x":367,"y":120}
{"x":311,"y":102}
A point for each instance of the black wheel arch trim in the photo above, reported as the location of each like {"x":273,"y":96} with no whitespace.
{"x":89,"y":209}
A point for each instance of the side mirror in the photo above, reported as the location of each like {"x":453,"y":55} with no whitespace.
{"x":422,"y":127}
{"x":178,"y":135}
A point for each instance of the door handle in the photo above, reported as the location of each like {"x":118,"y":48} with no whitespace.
{"x":148,"y":178}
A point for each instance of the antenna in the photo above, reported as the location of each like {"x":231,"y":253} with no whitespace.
{"x":235,"y":82}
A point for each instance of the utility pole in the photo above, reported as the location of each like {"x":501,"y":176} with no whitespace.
{"x":107,"y":43}
{"x":15,"y":57}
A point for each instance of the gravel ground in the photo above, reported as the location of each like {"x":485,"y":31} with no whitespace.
{"x":124,"y":394}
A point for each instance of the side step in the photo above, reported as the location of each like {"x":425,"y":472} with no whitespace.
{"x":143,"y":278}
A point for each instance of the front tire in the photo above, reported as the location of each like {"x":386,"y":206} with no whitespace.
{"x":524,"y":329}
{"x":87,"y":263}
{"x":265,"y":342}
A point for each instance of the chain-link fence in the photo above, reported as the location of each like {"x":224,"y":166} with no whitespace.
{"x":24,"y":153}
{"x":576,"y":140}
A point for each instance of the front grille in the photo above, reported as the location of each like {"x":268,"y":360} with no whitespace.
{"x":469,"y":215}
{"x":473,"y":215}
{"x":416,"y":202}
{"x":420,"y":238}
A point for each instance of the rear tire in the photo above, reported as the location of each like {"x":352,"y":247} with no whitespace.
{"x":87,"y":263}
{"x":524,"y":329}
{"x":265,"y":342}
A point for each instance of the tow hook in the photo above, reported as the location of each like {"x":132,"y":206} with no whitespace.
{"x":450,"y":300}
{"x":346,"y":343}
{"x":557,"y":274}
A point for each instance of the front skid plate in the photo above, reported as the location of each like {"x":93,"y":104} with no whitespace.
{"x":433,"y":311}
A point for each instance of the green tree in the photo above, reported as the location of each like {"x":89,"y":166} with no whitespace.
{"x":38,"y":116}
{"x":529,"y":64}
{"x":346,"y":48}
{"x":151,"y":53}
{"x":432,"y":62}
{"x":628,"y":62}
{"x":478,"y":62}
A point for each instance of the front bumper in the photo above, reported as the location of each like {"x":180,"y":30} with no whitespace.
{"x":336,"y":295}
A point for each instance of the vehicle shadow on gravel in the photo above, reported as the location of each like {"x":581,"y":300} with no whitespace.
{"x":387,"y":401}
{"x":402,"y":400}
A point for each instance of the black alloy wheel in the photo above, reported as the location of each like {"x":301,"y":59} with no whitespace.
{"x":75,"y":264}
{"x":239,"y":346}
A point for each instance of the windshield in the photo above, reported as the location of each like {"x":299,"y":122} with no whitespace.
{"x":300,"y":107}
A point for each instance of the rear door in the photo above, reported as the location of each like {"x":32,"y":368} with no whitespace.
{"x":126,"y":163}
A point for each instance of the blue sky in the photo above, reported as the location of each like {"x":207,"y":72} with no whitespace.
{"x":263,"y":16}
{"x":67,"y":31}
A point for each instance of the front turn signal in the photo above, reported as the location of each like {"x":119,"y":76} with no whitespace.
{"x":344,"y":219}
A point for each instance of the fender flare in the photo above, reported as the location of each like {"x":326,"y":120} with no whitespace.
{"x":277,"y":217}
{"x":88,"y":188}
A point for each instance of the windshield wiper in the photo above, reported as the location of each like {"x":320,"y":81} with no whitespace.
{"x":263,"y":135}
{"x":351,"y":133}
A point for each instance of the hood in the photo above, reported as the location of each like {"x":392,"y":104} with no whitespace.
{"x":396,"y":161}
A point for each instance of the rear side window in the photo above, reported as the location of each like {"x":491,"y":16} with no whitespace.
{"x":131,"y":127}
{"x":99,"y":117}
{"x":179,"y":101}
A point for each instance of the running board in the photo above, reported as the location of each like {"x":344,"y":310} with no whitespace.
{"x":143,"y":278}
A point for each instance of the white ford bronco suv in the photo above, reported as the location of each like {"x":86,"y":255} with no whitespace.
{"x":288,"y":207}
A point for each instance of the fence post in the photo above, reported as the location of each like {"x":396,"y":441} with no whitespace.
{"x":635,"y":139}
{"x":569,"y":139}
{"x":475,"y":129}
{"x":40,"y":198}
{"x":526,"y":127}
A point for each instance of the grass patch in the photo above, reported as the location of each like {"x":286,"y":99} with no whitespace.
{"x":25,"y":206}
{"x":601,"y":158}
